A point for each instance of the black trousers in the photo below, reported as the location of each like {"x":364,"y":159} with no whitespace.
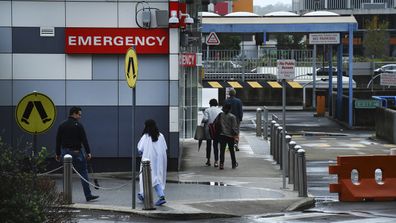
{"x":225,"y":140}
{"x":215,"y":148}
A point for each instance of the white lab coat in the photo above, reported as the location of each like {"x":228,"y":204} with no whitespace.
{"x":156,"y":153}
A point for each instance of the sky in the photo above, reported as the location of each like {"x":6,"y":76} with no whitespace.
{"x":270,"y":2}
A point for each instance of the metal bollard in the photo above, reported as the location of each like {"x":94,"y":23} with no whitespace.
{"x":272,"y":137}
{"x":296,"y":172}
{"x":278,"y":143}
{"x":285,"y":155}
{"x":291,"y":161}
{"x":302,"y":176}
{"x":276,"y":132}
{"x":265,"y":123}
{"x":258,"y":122}
{"x":280,"y":150}
{"x":67,"y":179}
{"x":147,"y":186}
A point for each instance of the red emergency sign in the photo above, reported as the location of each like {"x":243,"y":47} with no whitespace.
{"x":188,"y":59}
{"x":116,"y":40}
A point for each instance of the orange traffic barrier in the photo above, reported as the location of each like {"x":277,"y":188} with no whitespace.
{"x":366,"y":188}
{"x":320,"y":105}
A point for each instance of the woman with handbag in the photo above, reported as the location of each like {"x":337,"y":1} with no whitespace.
{"x":229,"y":129}
{"x":209,"y":115}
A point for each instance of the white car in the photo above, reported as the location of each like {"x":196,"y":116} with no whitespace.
{"x":389,"y":68}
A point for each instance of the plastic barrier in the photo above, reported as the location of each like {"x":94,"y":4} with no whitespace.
{"x":366,"y":187}
{"x":320,"y":105}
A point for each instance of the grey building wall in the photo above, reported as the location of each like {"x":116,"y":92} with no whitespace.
{"x":29,"y":62}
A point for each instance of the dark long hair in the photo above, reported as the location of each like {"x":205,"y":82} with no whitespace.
{"x":150,"y":127}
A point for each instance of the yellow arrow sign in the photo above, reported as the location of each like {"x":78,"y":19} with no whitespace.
{"x":35,"y":113}
{"x":131,"y":67}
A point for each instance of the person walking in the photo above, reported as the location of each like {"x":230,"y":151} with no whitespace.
{"x":209,"y":115}
{"x":229,"y":129}
{"x":236,"y":109}
{"x":69,"y":139}
{"x":152,"y":146}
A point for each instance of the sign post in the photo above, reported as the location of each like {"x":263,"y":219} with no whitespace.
{"x":286,"y":71}
{"x":131,"y":75}
{"x":211,"y":40}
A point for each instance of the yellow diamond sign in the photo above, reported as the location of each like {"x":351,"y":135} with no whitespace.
{"x":35,"y":113}
{"x":131,"y":67}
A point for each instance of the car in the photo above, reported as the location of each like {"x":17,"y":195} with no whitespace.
{"x":324,"y":71}
{"x":389,"y":68}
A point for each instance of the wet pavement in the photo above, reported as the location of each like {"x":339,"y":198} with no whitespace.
{"x":253,"y":191}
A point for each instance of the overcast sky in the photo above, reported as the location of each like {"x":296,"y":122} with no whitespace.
{"x":270,"y":2}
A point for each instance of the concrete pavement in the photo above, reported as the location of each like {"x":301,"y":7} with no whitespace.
{"x":198,"y":191}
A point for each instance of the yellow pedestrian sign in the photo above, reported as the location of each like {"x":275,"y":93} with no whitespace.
{"x":35,"y":113}
{"x":131,"y":67}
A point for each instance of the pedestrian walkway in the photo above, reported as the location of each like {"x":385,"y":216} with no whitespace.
{"x":199,"y":191}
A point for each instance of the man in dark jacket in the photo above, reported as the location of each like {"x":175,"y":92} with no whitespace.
{"x":236,"y":109}
{"x":69,"y":138}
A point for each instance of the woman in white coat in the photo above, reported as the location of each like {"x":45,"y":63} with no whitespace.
{"x":153,"y":147}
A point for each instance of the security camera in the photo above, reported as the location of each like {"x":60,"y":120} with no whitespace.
{"x":189,"y":20}
{"x":173,"y":19}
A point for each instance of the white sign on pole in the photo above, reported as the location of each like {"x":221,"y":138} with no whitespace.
{"x":324,"y":38}
{"x":286,"y":69}
{"x":387,"y":79}
{"x":212,"y":39}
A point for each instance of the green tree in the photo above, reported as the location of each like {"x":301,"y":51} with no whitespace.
{"x":25,"y":197}
{"x":376,"y":39}
{"x":290,"y":41}
{"x":228,"y":42}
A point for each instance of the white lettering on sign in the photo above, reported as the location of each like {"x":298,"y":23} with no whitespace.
{"x":188,"y":60}
{"x":115,"y":41}
{"x":324,"y":38}
{"x":286,"y":69}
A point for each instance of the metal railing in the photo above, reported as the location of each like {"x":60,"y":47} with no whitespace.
{"x":260,"y":64}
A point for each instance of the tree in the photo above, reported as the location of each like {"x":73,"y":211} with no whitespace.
{"x":25,"y":197}
{"x":290,"y":41}
{"x":376,"y":39}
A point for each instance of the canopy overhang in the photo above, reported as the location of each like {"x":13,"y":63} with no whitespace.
{"x":279,"y":24}
{"x":297,"y":24}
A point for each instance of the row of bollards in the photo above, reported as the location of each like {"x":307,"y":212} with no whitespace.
{"x":293,"y":161}
{"x":146,"y":175}
{"x":262,"y":122}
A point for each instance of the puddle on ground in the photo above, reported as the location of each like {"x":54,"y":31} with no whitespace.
{"x":221,"y":184}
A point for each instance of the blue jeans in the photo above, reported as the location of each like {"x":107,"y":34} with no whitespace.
{"x":159,"y":191}
{"x":80,"y":164}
